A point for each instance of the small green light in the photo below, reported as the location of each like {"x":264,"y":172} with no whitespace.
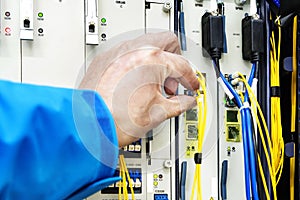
{"x":103,"y":20}
{"x":40,"y":14}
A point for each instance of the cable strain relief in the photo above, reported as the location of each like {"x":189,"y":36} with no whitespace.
{"x":198,"y":158}
{"x":215,"y":53}
{"x":255,"y":57}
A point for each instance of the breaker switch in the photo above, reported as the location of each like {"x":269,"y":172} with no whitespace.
{"x":26,"y":23}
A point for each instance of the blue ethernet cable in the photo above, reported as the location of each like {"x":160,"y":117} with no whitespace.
{"x":251,"y":147}
{"x":244,"y":129}
{"x":250,"y":81}
{"x":253,"y":163}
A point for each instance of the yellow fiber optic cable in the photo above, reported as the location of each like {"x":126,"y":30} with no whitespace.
{"x":254,"y":107}
{"x":125,"y":174}
{"x":202,"y":112}
{"x":128,"y":177}
{"x":276,"y":127}
{"x":293,"y":106}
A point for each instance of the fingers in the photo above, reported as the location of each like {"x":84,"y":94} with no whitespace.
{"x":171,"y":86}
{"x":179,"y":70}
{"x":177,"y":105}
{"x":166,"y":41}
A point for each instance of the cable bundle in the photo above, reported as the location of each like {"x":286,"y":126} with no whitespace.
{"x":123,"y":184}
{"x":276,"y":128}
{"x":249,"y":108}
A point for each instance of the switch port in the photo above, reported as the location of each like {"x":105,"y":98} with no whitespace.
{"x":26,"y":23}
{"x":92,"y":28}
{"x":135,"y":178}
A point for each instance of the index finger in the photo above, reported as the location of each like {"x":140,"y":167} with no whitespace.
{"x":180,"y":70}
{"x":166,"y":41}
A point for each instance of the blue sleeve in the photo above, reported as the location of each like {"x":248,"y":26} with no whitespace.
{"x":55,"y":143}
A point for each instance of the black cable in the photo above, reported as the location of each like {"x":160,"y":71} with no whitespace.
{"x":177,"y":181}
{"x":264,"y":92}
{"x":217,"y":67}
{"x":176,"y":16}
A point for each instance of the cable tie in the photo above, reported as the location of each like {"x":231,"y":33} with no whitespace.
{"x":245,"y":105}
{"x":226,"y":90}
{"x":235,"y":81}
{"x":275,"y":91}
{"x":235,"y":75}
{"x":198,"y":158}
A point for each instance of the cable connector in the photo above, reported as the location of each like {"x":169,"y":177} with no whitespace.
{"x":252,"y":36}
{"x":198,"y":158}
{"x":212,"y":35}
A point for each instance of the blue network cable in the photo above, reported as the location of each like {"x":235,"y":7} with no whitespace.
{"x":250,"y":81}
{"x":248,"y":143}
{"x":250,"y":140}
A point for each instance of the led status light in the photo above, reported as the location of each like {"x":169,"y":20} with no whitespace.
{"x":40,"y":14}
{"x":7,"y":30}
{"x":7,"y":14}
{"x":103,"y":20}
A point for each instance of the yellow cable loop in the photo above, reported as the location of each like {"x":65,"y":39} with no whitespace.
{"x":276,"y":127}
{"x":293,"y":106}
{"x":255,"y":106}
{"x":201,"y":125}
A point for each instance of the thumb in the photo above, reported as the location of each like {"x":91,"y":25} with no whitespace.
{"x":176,"y":105}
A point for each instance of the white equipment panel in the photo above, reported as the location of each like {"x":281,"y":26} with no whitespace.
{"x":193,"y":12}
{"x":55,"y":56}
{"x":10,"y":56}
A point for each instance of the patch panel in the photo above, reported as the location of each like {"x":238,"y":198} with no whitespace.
{"x":132,"y":150}
{"x":136,"y":180}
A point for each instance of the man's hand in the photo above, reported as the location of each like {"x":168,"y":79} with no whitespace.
{"x":131,"y":78}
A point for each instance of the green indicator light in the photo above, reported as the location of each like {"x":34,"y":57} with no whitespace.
{"x":40,"y":14}
{"x":103,"y":20}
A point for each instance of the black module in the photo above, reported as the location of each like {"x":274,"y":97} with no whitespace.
{"x":252,"y":36}
{"x":212,"y":35}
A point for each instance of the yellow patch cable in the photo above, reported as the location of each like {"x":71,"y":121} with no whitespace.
{"x":254,"y":107}
{"x":293,"y":106}
{"x":125,"y":174}
{"x":202,"y":112}
{"x":276,"y":127}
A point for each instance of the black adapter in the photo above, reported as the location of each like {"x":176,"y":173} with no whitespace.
{"x":212,"y":35}
{"x":253,"y":40}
